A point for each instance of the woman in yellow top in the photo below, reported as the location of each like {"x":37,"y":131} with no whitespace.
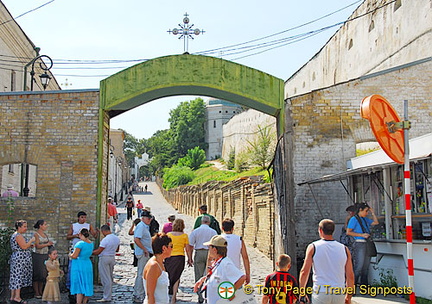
{"x":176,"y":263}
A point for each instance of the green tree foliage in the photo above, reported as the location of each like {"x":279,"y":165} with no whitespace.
{"x":177,"y":176}
{"x":160,"y":150}
{"x":5,"y":248}
{"x":261,"y":149}
{"x":133,"y":147}
{"x":194,"y":158}
{"x":187,"y":126}
{"x":231,"y":159}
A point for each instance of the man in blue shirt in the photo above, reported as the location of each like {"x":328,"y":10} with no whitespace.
{"x":143,"y":252}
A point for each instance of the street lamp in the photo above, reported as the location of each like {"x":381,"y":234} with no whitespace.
{"x":44,"y":78}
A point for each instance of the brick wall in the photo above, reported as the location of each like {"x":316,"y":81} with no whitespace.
{"x":58,"y":133}
{"x":327,"y":125}
{"x":248,"y":201}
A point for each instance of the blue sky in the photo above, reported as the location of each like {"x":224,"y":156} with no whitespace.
{"x":71,"y":32}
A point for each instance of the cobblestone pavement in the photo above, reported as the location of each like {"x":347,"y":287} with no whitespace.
{"x":124,"y":272}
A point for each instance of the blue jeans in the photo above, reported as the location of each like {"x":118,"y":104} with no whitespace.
{"x":361,"y":263}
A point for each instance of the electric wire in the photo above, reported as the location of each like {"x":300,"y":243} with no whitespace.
{"x":231,"y":50}
{"x":25,"y":13}
{"x":282,"y":32}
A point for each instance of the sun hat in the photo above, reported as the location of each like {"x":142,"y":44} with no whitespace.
{"x":217,"y":241}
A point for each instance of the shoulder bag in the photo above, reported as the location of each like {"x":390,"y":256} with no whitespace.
{"x":370,"y":245}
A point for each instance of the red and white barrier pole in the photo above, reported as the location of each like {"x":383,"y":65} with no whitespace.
{"x":408,"y":218}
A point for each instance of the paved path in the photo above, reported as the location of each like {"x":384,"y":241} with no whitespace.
{"x":124,"y":272}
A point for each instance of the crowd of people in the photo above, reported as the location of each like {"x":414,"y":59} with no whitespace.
{"x":217,"y":255}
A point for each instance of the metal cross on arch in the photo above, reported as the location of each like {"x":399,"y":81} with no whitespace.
{"x":186,"y":31}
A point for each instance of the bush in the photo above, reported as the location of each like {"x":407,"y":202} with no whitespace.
{"x":177,"y":176}
{"x":5,"y":253}
{"x":194,"y":158}
{"x":5,"y":248}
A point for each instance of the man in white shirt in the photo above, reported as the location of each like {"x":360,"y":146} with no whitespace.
{"x":197,"y":239}
{"x":332,"y":267}
{"x":236,"y":247}
{"x":108,"y":247}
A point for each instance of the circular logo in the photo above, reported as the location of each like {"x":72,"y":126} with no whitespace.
{"x":226,"y":290}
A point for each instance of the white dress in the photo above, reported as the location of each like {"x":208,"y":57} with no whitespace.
{"x":161,"y":291}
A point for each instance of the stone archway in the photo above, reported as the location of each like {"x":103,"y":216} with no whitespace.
{"x":185,"y":75}
{"x":192,"y":75}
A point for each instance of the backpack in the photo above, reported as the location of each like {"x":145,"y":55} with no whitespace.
{"x":347,"y":240}
{"x":214,"y":224}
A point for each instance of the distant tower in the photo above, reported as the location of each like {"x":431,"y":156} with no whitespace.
{"x":218,"y":112}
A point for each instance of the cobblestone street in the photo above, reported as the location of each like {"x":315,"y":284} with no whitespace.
{"x":124,"y":272}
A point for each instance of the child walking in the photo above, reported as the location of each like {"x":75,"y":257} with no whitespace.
{"x":52,"y":291}
{"x":280,"y":284}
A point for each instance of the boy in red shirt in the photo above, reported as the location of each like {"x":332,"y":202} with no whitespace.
{"x":280,"y":284}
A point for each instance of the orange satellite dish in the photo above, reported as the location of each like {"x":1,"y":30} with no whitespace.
{"x":384,"y":121}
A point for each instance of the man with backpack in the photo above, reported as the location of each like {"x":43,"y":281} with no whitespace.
{"x":214,"y":224}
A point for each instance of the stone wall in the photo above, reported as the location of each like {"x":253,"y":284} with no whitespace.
{"x":326,"y":126}
{"x":379,"y":35}
{"x":58,"y":133}
{"x":248,"y":201}
{"x":242,"y":128}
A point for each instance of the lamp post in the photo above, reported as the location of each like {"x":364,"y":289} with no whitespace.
{"x":44,"y":78}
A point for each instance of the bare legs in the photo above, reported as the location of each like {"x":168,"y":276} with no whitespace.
{"x":175,"y":289}
{"x":38,"y":288}
{"x":16,"y":295}
{"x":81,"y":299}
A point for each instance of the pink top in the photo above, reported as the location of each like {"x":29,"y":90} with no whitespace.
{"x":139,"y":205}
{"x":167,"y":227}
{"x":12,"y":193}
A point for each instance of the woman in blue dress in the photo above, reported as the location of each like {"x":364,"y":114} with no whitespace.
{"x":82,"y":268}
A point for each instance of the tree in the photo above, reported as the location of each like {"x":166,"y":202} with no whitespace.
{"x":194,"y":158}
{"x":160,"y":150}
{"x":261,"y":150}
{"x":133,"y":147}
{"x":187,"y":126}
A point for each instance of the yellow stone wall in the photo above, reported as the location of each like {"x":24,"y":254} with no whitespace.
{"x":58,"y":133}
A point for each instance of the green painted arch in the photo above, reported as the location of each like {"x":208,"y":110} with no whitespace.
{"x":192,"y":75}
